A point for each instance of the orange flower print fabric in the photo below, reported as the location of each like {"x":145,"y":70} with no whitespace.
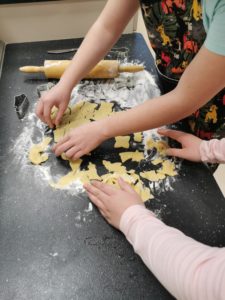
{"x":176,"y":32}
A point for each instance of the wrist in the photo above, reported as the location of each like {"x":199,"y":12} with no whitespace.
{"x":105,"y":128}
{"x":66,"y":85}
{"x":133,"y":214}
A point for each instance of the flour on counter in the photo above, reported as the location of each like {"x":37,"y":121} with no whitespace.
{"x":128,"y":90}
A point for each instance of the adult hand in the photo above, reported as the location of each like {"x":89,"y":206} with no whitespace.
{"x":111,"y":201}
{"x":81,"y":140}
{"x":59,"y":97}
{"x":190,"y":144}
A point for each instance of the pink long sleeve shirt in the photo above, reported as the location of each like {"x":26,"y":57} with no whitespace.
{"x":187,"y":269}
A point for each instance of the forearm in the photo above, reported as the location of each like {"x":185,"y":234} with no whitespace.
{"x":88,"y":55}
{"x":153,"y":113}
{"x":213,"y":151}
{"x":193,"y":91}
{"x":187,"y":269}
{"x":100,"y":39}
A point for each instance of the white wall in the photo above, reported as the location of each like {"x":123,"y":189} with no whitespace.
{"x":52,"y":20}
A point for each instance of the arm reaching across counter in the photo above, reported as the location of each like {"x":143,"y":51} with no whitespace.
{"x":191,"y":92}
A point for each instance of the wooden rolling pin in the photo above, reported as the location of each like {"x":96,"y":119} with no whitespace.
{"x":104,"y":69}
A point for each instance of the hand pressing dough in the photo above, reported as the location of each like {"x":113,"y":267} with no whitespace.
{"x":133,"y":180}
{"x":79,"y":114}
{"x":36,"y":155}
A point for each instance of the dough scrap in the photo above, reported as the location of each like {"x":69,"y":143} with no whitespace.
{"x":36,"y":155}
{"x":138,"y":137}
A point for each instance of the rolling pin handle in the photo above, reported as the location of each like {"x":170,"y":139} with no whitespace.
{"x":32,"y":69}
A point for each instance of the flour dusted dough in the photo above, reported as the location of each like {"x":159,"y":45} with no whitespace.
{"x":36,"y":155}
{"x":84,"y":112}
{"x":84,"y":176}
{"x":160,"y":146}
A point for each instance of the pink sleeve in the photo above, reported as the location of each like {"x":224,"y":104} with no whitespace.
{"x":186,"y":268}
{"x":213,"y":151}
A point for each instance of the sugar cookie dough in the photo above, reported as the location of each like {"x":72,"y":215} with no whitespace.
{"x":114,"y":167}
{"x":138,"y":137}
{"x":125,"y":162}
{"x":36,"y":155}
{"x":134,"y":156}
{"x":122,"y":141}
{"x":159,"y":145}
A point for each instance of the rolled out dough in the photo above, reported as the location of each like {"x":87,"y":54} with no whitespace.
{"x":84,"y":112}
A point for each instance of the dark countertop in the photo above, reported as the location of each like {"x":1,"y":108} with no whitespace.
{"x":51,"y":246}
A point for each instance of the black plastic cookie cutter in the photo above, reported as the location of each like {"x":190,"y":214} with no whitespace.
{"x":21,"y":105}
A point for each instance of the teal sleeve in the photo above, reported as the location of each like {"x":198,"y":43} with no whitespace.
{"x":215,"y":40}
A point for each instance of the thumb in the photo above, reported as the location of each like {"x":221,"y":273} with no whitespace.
{"x":175,"y":152}
{"x":62,"y":108}
{"x":125,"y":186}
{"x":182,"y":153}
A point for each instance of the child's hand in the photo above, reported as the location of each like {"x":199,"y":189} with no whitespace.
{"x":81,"y":140}
{"x":190,"y":144}
{"x":112,"y":202}
{"x":59,"y":97}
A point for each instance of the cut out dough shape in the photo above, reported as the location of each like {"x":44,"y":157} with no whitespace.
{"x":36,"y":155}
{"x":152,"y":175}
{"x":134,"y":156}
{"x":122,"y":141}
{"x":168,"y":168}
{"x":114,"y":167}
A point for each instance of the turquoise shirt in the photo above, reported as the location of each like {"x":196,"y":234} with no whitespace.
{"x":214,"y":22}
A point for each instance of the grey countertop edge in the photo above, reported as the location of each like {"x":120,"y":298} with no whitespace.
{"x":2,"y":52}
